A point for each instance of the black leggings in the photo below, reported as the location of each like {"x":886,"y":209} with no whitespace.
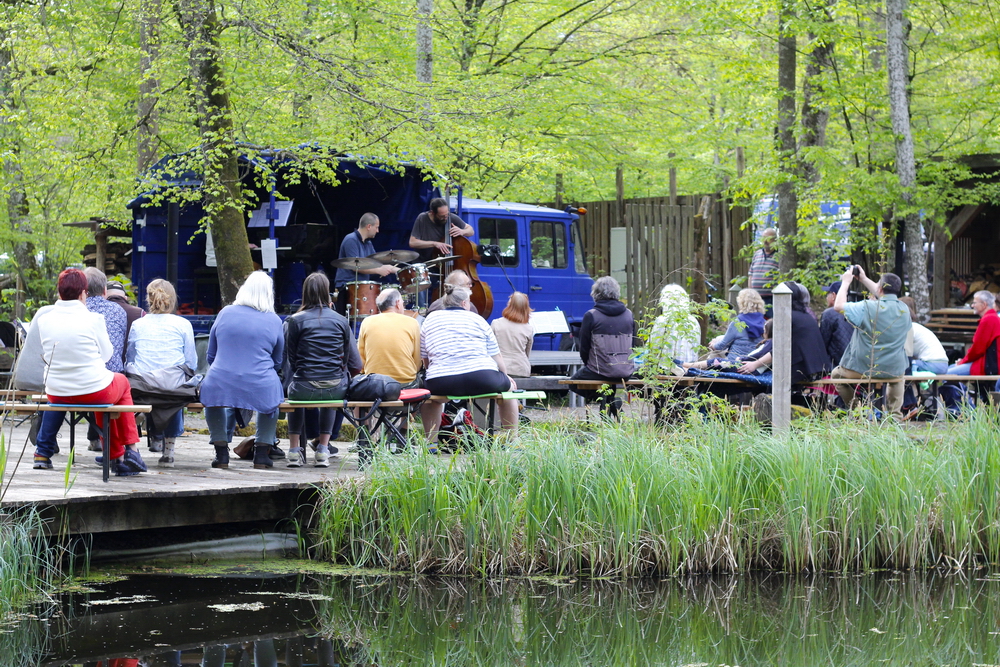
{"x":475,"y":383}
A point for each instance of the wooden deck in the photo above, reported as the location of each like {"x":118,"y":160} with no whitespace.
{"x":191,"y":493}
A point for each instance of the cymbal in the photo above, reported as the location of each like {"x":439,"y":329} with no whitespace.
{"x":439,"y":260}
{"x":395,"y":256}
{"x":356,"y":263}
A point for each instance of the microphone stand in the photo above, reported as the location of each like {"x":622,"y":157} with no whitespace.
{"x":494,"y":251}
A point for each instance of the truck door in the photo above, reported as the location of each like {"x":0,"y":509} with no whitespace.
{"x":504,"y":233}
{"x":551,"y":278}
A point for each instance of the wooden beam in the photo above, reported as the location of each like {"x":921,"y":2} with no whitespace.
{"x":962,"y":220}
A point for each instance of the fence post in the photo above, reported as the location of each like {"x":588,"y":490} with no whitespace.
{"x":781,"y":362}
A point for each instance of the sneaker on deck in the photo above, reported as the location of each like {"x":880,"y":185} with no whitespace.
{"x":276,"y":452}
{"x":322,"y":459}
{"x":42,"y":463}
{"x":296,"y":458}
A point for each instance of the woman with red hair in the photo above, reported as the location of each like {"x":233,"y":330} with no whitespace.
{"x":75,"y":347}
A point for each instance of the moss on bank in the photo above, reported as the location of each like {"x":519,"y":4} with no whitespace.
{"x":630,"y":500}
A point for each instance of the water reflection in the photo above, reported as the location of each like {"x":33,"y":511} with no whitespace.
{"x":390,"y":620}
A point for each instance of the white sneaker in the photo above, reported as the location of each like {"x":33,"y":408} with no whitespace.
{"x":322,"y":459}
{"x":296,"y":458}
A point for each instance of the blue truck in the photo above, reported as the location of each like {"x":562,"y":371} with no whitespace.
{"x":535,"y":250}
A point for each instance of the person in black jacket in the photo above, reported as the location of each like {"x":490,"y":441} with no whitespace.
{"x":809,"y":356}
{"x":321,"y":355}
{"x":835,"y":328}
{"x":607,"y":336}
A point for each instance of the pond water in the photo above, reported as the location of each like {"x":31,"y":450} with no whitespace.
{"x":266,"y":619}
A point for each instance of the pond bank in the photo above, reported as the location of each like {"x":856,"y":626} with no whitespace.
{"x":629,"y":500}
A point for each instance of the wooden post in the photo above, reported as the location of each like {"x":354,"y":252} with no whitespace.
{"x":700,"y":287}
{"x":939,"y":294}
{"x":673,"y":181}
{"x":781,"y":364}
{"x":741,"y":162}
{"x":559,"y":191}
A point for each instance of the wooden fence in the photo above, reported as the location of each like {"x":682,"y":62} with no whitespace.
{"x":660,"y":244}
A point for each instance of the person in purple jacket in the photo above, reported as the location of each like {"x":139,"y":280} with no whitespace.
{"x":245,"y":349}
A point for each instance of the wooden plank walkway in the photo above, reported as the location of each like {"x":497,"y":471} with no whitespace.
{"x":192,"y":474}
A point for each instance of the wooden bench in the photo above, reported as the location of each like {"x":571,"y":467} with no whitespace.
{"x":386,"y":413}
{"x":77,"y":413}
{"x":489,"y":412}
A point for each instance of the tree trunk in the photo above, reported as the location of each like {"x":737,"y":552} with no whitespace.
{"x":787,"y":199}
{"x":906,"y":166}
{"x":149,"y":86}
{"x":223,"y":199}
{"x":814,"y":117}
{"x":23,"y":249}
{"x":425,"y":42}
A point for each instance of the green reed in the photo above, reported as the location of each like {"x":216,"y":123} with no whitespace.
{"x":26,"y":560}
{"x":631,"y":500}
{"x":898,"y":619}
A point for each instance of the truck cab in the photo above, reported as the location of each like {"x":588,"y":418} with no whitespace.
{"x":540,"y":254}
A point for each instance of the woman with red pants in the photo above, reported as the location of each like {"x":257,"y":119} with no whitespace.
{"x":75,"y":347}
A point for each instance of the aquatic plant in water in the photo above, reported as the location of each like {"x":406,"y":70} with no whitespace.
{"x":632,"y":500}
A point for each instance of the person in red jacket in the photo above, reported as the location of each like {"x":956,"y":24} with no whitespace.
{"x":982,"y":357}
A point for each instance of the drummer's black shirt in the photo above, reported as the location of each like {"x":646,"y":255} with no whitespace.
{"x":352,"y":246}
{"x":426,"y":229}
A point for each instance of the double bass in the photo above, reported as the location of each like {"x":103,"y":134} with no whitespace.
{"x":467,"y":258}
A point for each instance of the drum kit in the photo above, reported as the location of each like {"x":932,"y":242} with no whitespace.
{"x":413,"y":278}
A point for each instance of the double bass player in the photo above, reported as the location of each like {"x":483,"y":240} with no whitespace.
{"x":431,"y":228}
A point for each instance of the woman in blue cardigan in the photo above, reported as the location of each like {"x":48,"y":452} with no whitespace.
{"x":245,"y":349}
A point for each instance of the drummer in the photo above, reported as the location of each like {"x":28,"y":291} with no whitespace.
{"x":429,"y":230}
{"x":358,"y":244}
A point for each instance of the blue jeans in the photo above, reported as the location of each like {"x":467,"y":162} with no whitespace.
{"x":936,"y":367}
{"x":960,"y":369}
{"x":222,"y":423}
{"x":173,"y":428}
{"x":48,"y":429}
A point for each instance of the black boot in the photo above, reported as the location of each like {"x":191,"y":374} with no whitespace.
{"x":221,"y":456}
{"x":261,"y":457}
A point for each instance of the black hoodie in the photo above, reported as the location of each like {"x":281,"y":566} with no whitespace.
{"x":605,"y":320}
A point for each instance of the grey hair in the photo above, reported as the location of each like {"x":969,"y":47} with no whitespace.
{"x":387,"y":299}
{"x":456,"y":297}
{"x":257,"y":292}
{"x":986,"y":297}
{"x":97,"y":282}
{"x":606,"y":288}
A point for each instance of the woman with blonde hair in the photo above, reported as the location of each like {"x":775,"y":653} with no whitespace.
{"x":515,"y":334}
{"x":742,"y":334}
{"x":245,"y":349}
{"x":157,"y":341}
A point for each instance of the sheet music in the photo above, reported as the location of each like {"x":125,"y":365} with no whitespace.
{"x":269,"y":253}
{"x":283,"y":209}
{"x":549,"y":322}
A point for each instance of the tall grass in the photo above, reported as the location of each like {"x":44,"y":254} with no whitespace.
{"x":629,"y":500}
{"x":26,"y":561}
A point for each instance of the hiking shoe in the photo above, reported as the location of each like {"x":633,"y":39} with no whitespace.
{"x":123,"y":468}
{"x":322,"y":459}
{"x":221,"y":456}
{"x":42,"y":463}
{"x":95,"y":446}
{"x":133,"y":457}
{"x":296,"y":458}
{"x":261,"y":457}
{"x":276,"y":453}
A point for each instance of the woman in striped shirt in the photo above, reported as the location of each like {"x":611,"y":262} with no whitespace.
{"x":462,"y":358}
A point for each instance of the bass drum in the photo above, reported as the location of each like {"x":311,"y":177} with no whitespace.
{"x":415,"y":278}
{"x":361,"y":298}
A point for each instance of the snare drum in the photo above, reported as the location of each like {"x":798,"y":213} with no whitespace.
{"x":414,"y":278}
{"x":361,"y":297}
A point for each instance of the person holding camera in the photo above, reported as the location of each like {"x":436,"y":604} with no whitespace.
{"x":877,"y":347}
